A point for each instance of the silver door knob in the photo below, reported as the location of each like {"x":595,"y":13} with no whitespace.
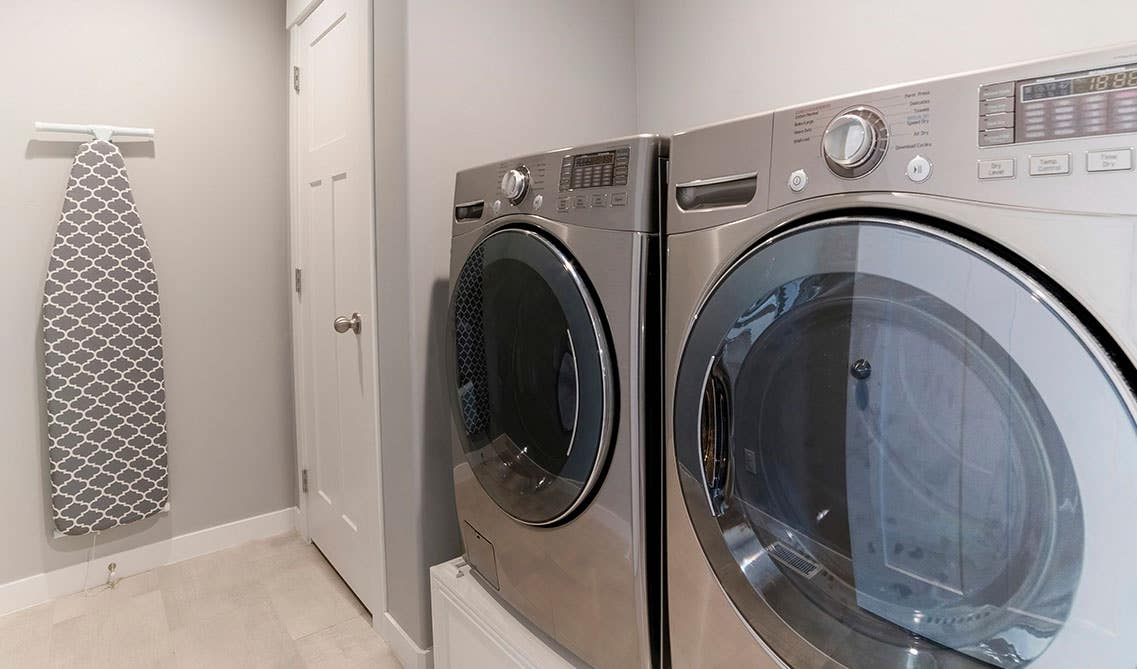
{"x":343,"y":323}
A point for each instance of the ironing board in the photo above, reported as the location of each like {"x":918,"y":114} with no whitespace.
{"x":106,"y":398}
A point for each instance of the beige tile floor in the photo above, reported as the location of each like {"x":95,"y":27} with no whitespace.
{"x":269,"y":603}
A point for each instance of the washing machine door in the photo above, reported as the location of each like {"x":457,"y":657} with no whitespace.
{"x":531,"y":382}
{"x":899,"y":450}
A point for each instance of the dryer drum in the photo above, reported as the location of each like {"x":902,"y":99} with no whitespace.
{"x":894,"y":418}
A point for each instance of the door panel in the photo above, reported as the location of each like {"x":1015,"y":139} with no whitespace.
{"x":334,"y":167}
{"x":891,"y":450}
{"x":532,"y":380}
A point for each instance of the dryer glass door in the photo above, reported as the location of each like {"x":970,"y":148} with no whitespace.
{"x":890,"y":439}
{"x":531,"y":381}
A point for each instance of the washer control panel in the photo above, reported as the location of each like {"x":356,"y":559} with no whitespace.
{"x":603,"y":185}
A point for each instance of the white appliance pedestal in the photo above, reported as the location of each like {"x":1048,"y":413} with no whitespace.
{"x":473,"y":630}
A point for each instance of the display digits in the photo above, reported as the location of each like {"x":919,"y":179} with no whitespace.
{"x":1108,"y":82}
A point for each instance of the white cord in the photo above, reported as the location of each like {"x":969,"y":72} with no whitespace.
{"x":90,"y":557}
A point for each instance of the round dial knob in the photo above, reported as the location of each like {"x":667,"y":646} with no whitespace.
{"x":514,"y":184}
{"x":849,"y":140}
{"x":855,"y":142}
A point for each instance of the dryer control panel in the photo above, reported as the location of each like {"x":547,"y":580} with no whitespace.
{"x":1057,"y":134}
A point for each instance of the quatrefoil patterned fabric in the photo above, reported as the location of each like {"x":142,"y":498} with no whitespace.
{"x":106,"y":396}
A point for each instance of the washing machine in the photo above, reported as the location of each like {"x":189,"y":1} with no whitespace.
{"x":554,"y":352}
{"x":899,"y":342}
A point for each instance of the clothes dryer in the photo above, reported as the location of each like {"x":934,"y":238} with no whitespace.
{"x":900,"y":415}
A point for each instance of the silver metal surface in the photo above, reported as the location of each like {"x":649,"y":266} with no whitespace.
{"x":344,"y":323}
{"x":1079,"y":228}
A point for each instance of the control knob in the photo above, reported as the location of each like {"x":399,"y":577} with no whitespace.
{"x":515,"y":184}
{"x":855,"y":142}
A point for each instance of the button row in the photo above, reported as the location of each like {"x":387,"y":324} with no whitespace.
{"x":997,"y":114}
{"x":918,"y":170}
{"x":566,"y":173}
{"x":1111,"y":160}
{"x":583,"y":201}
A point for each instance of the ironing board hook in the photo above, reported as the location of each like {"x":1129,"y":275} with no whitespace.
{"x":103,"y":132}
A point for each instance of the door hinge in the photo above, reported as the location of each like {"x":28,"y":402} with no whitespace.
{"x":297,"y":274}
{"x":296,"y":78}
{"x":303,"y":480}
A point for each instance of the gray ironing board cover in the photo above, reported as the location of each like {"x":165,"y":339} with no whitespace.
{"x":106,"y":397}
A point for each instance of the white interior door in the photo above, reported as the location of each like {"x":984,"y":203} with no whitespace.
{"x":334,"y":203}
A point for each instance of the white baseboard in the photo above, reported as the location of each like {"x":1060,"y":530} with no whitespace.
{"x":404,"y":646}
{"x":40,"y":588}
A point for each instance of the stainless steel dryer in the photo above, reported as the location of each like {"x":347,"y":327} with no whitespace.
{"x":554,"y":311}
{"x":900,"y":334}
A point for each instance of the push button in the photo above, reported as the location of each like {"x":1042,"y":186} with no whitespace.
{"x":599,"y":200}
{"x":1109,"y":161}
{"x":564,"y":203}
{"x":619,"y":199}
{"x":996,"y":121}
{"x":1044,"y":165}
{"x":919,"y":169}
{"x":996,"y":137}
{"x":1000,"y":106}
{"x":991,"y":91}
{"x":580,"y":202}
{"x":798,"y":181}
{"x":1003,"y":168}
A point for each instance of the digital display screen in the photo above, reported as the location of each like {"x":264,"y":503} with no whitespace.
{"x":595,"y":170}
{"x":1079,"y":85}
{"x":596,"y":159}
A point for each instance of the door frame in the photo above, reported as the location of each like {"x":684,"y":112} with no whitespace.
{"x":297,"y":12}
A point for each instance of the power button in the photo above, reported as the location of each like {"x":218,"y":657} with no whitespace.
{"x":798,"y":181}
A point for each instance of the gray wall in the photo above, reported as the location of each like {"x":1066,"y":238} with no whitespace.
{"x":483,"y":81}
{"x":708,"y":61}
{"x":209,"y":75}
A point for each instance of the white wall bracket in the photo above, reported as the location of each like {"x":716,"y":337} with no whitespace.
{"x":103,"y":132}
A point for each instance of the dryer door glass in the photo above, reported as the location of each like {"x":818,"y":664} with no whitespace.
{"x":531,"y":379}
{"x":889,"y":440}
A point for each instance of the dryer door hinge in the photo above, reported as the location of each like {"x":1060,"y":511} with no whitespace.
{"x":296,"y":78}
{"x":303,"y":480}
{"x":298,"y":279}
